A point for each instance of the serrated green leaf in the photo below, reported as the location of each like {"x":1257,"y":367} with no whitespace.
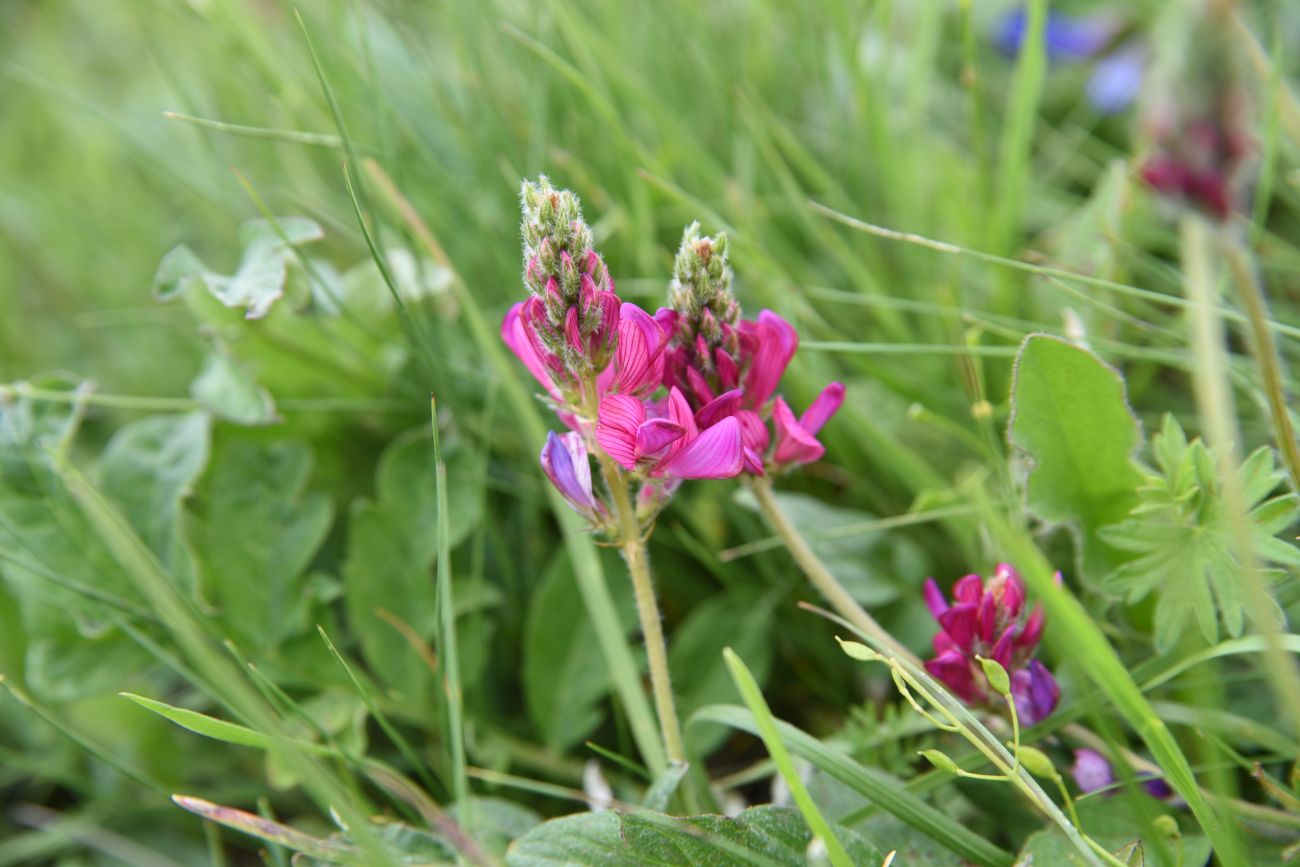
{"x":1183,"y":540}
{"x":1071,"y":416}
{"x":255,"y":532}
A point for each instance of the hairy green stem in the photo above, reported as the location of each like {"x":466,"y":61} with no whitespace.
{"x":632,"y":546}
{"x":818,"y":574}
{"x":1264,"y":349}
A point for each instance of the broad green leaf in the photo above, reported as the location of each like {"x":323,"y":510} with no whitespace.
{"x":1071,"y":417}
{"x":179,"y":272}
{"x":758,"y":836}
{"x":498,"y":822}
{"x":148,"y":468}
{"x":565,"y":684}
{"x":228,"y":389}
{"x":255,"y":530}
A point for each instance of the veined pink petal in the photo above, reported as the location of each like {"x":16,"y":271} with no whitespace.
{"x":728,"y":370}
{"x":753,"y":460}
{"x":514,"y":335}
{"x":655,"y":434}
{"x":667,"y":318}
{"x":1032,"y":630}
{"x":714,"y":454}
{"x":822,"y":408}
{"x":753,"y":430}
{"x":638,"y":359}
{"x":725,"y":404}
{"x":698,"y":385}
{"x":618,"y":419}
{"x":793,"y":443}
{"x":773,"y":341}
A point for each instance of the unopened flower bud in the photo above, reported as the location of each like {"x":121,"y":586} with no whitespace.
{"x":941,"y":761}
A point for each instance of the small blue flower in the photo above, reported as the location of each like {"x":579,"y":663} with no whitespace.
{"x":1068,"y":37}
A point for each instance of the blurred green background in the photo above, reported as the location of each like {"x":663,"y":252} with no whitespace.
{"x":737,"y":114}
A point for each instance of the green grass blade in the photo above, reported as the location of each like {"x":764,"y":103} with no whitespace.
{"x":218,"y":729}
{"x":753,"y":696}
{"x":450,"y":661}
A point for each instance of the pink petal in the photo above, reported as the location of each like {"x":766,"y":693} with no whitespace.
{"x":954,"y":671}
{"x":714,"y":454}
{"x":774,"y":342}
{"x":515,"y":336}
{"x":638,"y":359}
{"x":987,"y":618}
{"x":793,"y":443}
{"x":728,"y":370}
{"x":823,"y":407}
{"x":655,"y":435}
{"x":959,"y":622}
{"x":1003,"y":646}
{"x":969,"y":588}
{"x":618,"y":420}
{"x":1032,"y":630}
{"x":698,"y":384}
{"x":934,"y":599}
{"x":667,"y":318}
{"x":754,"y":431}
{"x":571,"y":330}
{"x":1013,"y":589}
{"x":753,"y":460}
{"x":725,"y":404}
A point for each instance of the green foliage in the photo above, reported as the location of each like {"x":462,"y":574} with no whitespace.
{"x":392,"y":542}
{"x":1072,"y":419}
{"x":1182,"y":541}
{"x":1117,"y":826}
{"x":759,"y":835}
{"x":268,"y":248}
{"x":564,"y":682}
{"x":255,"y":531}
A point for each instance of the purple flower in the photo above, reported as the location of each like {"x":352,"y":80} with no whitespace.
{"x":564,"y":460}
{"x":985,"y":620}
{"x":1117,"y":78}
{"x":1091,"y":771}
{"x":1068,"y":37}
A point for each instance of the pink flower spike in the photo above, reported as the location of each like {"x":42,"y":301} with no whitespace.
{"x":822,"y":408}
{"x":618,"y":422}
{"x":714,"y":454}
{"x":794,"y":445}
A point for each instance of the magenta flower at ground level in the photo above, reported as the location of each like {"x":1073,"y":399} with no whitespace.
{"x":985,"y":620}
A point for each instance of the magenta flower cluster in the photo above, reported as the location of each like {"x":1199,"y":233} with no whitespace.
{"x":687,"y":393}
{"x":987,"y":620}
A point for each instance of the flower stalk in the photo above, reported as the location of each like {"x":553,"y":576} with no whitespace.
{"x":816,"y":572}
